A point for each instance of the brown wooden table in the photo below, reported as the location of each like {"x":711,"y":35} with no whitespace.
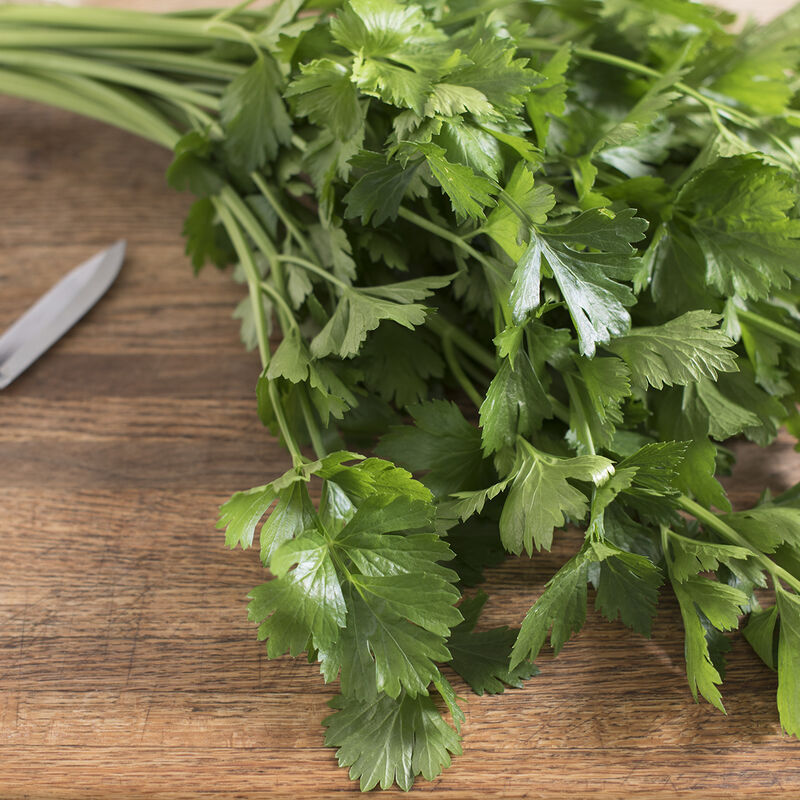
{"x":127,"y":666}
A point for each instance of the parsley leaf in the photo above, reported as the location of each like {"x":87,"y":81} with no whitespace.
{"x":255,"y":119}
{"x":789,"y":661}
{"x":378,"y":193}
{"x":680,"y":351}
{"x":299,"y":603}
{"x":736,"y":211}
{"x":362,"y":309}
{"x":482,"y":658}
{"x":628,"y":589}
{"x":588,"y":281}
{"x":541,"y":497}
{"x":386,"y":740}
{"x":327,"y":96}
{"x":515,"y":404}
{"x":441,"y":443}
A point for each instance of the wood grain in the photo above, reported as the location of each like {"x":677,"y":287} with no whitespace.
{"x":127,"y":665}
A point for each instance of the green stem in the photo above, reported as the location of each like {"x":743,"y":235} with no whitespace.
{"x":251,"y":225}
{"x":243,"y":34}
{"x":92,"y":100}
{"x":306,"y":264}
{"x":768,"y":326}
{"x":259,"y":317}
{"x":288,"y":314}
{"x":61,"y":39}
{"x":126,"y":102}
{"x":559,"y":409}
{"x":67,"y":64}
{"x":458,"y":373}
{"x":283,"y":215}
{"x":665,"y":534}
{"x":712,"y":521}
{"x":183,"y":63}
{"x":198,"y":115}
{"x":495,"y":278}
{"x":245,"y":257}
{"x":475,"y":372}
{"x":443,"y":327}
{"x":261,"y":239}
{"x":312,"y":427}
{"x":443,"y":233}
{"x":115,"y":21}
{"x":515,"y":207}
{"x":225,"y":13}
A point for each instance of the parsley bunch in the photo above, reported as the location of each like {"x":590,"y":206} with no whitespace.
{"x":579,"y":217}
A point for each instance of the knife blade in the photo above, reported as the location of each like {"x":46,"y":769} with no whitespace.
{"x":56,"y":311}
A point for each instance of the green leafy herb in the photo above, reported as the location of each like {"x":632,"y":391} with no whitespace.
{"x":542,"y":281}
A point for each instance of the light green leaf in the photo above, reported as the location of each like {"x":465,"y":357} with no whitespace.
{"x":292,"y":515}
{"x":301,"y":603}
{"x":490,"y":67}
{"x":549,"y":97}
{"x":657,"y":464}
{"x":358,"y":313}
{"x":726,"y":417}
{"x":381,"y":27}
{"x":760,"y":633}
{"x":541,"y":497}
{"x":561,"y":607}
{"x":291,"y":358}
{"x":468,"y":144}
{"x":680,"y":351}
{"x":377,"y":479}
{"x":240,"y":515}
{"x":700,"y":671}
{"x":721,"y":604}
{"x":535,"y":199}
{"x":450,"y":100}
{"x":380,"y":648}
{"x":595,"y":407}
{"x":469,"y":193}
{"x":588,"y":281}
{"x":736,"y":209}
{"x":392,"y":83}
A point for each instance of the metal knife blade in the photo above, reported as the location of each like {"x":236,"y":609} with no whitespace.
{"x":56,"y":311}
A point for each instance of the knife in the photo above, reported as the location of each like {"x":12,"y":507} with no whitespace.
{"x":56,"y":311}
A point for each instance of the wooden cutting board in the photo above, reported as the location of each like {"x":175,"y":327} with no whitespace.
{"x":127,"y":665}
